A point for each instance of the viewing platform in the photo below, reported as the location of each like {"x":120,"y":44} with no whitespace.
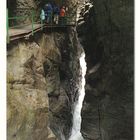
{"x":16,"y":30}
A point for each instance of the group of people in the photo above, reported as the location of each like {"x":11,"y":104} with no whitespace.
{"x":51,"y":13}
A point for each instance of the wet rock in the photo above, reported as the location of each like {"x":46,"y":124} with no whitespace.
{"x":107,"y":37}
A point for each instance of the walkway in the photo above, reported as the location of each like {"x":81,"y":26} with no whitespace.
{"x":26,"y":31}
{"x":16,"y":31}
{"x":23,"y":32}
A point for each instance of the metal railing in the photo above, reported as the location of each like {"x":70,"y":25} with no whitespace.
{"x":24,"y":17}
{"x":20,"y":19}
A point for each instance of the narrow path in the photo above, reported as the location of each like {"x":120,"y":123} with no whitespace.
{"x":26,"y":31}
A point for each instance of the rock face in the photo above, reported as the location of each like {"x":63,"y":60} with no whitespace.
{"x":42,"y":76}
{"x":28,"y":107}
{"x":24,"y":7}
{"x":106,"y":32}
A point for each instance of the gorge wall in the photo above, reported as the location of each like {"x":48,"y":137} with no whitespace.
{"x":42,"y":79}
{"x":43,"y":82}
{"x":106,"y":31}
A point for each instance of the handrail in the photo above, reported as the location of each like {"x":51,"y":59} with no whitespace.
{"x":18,"y":17}
{"x":69,"y":19}
{"x":31,"y":16}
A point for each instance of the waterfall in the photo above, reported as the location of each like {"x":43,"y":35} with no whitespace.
{"x":75,"y":133}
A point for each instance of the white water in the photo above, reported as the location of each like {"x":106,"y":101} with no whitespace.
{"x":76,"y":134}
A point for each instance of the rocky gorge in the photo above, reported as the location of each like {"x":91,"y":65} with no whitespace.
{"x":44,"y":75}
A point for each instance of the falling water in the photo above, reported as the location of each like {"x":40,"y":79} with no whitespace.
{"x":76,"y":134}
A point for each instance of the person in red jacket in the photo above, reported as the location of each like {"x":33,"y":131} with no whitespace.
{"x":62,"y":12}
{"x":62,"y":15}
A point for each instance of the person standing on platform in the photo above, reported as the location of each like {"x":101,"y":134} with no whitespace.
{"x":56,"y":12}
{"x":62,"y":15}
{"x":42,"y":15}
{"x":48,"y":12}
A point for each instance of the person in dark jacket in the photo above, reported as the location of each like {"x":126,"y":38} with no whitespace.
{"x":48,"y":12}
{"x":56,"y":12}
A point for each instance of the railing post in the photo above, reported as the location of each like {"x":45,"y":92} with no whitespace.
{"x":7,"y":24}
{"x":32,"y":22}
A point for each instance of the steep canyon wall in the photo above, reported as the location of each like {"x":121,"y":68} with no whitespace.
{"x":42,"y":76}
{"x":106,"y":31}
